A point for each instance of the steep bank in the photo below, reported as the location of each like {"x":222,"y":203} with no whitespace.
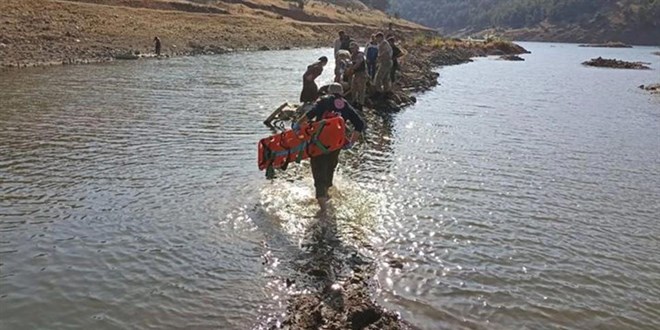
{"x":44,"y":32}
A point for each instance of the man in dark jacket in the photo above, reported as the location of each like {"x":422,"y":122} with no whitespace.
{"x":323,"y":166}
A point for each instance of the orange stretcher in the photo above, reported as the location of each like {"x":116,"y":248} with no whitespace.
{"x":313,"y":139}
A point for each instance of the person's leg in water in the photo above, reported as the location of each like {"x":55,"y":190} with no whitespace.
{"x":319,"y":169}
{"x":323,"y":168}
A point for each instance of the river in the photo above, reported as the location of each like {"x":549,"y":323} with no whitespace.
{"x":513,"y":195}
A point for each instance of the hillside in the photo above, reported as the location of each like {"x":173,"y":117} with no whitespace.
{"x":631,"y":21}
{"x":40,"y":32}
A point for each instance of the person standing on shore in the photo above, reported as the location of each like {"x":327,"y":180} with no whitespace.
{"x":343,"y":42}
{"x":371,"y":51}
{"x":358,"y":70}
{"x":396,"y":54}
{"x":382,"y":81}
{"x":323,"y":166}
{"x":310,"y":91}
{"x":158,"y":45}
{"x":342,"y":62}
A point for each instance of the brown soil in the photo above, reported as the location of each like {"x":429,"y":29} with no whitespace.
{"x":44,"y":32}
{"x":616,"y":64}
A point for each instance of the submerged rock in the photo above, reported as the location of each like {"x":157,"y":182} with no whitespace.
{"x":617,"y":64}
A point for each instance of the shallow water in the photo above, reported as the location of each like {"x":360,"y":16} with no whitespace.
{"x":516,"y":195}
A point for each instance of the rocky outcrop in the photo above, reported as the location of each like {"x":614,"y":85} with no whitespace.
{"x":616,"y":64}
{"x":653,"y":88}
{"x":608,"y":45}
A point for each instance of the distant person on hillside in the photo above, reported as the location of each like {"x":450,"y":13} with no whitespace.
{"x":371,"y":51}
{"x":396,"y":54}
{"x":358,"y":72}
{"x":310,"y":91}
{"x":343,"y":42}
{"x":382,"y":81}
{"x":158,"y":45}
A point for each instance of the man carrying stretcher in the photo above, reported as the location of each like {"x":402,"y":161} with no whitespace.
{"x":323,"y":166}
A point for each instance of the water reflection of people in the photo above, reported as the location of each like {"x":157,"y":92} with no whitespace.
{"x":323,"y":166}
{"x":310,"y":91}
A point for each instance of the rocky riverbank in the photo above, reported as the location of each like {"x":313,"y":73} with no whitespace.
{"x":616,"y":64}
{"x":425,"y":54}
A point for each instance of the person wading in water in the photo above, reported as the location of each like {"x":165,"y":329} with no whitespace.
{"x":323,"y":166}
{"x":310,"y":91}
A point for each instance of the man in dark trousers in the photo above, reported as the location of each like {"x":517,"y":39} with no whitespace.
{"x":157,"y":42}
{"x":323,"y":166}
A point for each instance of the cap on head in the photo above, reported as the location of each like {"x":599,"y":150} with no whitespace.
{"x":335,"y":88}
{"x":323,"y":59}
{"x":353,"y":45}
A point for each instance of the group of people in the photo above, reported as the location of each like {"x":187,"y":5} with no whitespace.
{"x":376,"y":65}
{"x":354,"y":68}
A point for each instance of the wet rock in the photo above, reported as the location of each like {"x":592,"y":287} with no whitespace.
{"x":264,"y":48}
{"x":616,"y":64}
{"x":511,"y":58}
{"x":656,"y":53}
